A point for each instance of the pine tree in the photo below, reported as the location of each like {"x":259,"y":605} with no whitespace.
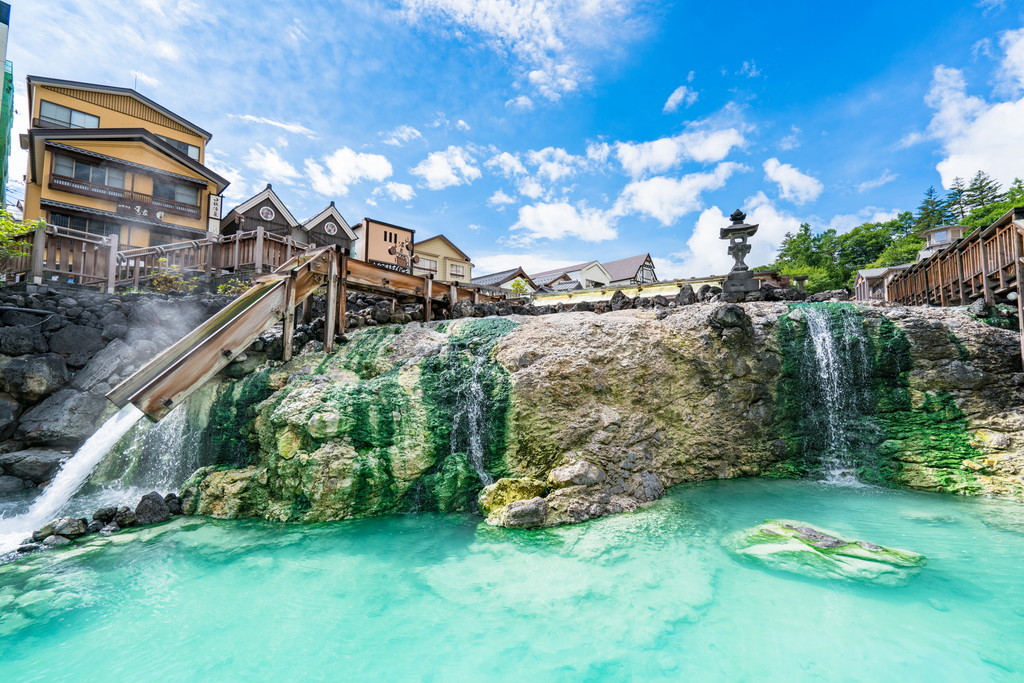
{"x":983,"y":190}
{"x":956,"y":199}
{"x":932,"y":212}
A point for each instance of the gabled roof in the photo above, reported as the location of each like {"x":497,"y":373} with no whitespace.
{"x":95,"y":87}
{"x":625,"y":268}
{"x":496,"y":279}
{"x":446,"y":241}
{"x":565,"y":286}
{"x":38,"y":137}
{"x":251,"y":202}
{"x":331,"y":211}
{"x":550,"y":275}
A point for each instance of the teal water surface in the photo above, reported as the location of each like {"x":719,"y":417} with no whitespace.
{"x":444,"y":597}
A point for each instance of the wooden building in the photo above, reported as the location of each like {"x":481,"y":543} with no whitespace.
{"x":329,"y":227}
{"x":438,"y":256}
{"x":384,"y":244}
{"x":109,"y":161}
{"x":633,"y":270}
{"x":264,"y":209}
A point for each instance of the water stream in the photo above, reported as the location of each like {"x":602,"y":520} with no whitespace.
{"x":68,"y":480}
{"x":836,"y":374}
{"x":469,"y":416}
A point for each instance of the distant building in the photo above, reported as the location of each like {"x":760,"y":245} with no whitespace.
{"x":633,"y":270}
{"x":505,"y":279}
{"x":438,"y":256}
{"x":939,"y":238}
{"x":873,"y":283}
{"x":589,"y":274}
{"x":384,"y":244}
{"x":266,"y":210}
{"x":329,"y":227}
{"x":109,"y":161}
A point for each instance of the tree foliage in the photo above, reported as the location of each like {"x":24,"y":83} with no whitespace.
{"x":11,"y":247}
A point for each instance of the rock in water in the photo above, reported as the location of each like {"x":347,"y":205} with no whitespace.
{"x":152,"y":509}
{"x":800,"y":548}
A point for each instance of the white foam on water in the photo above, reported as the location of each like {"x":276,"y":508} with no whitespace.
{"x":68,"y":480}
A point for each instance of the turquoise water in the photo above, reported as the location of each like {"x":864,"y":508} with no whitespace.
{"x":444,"y":597}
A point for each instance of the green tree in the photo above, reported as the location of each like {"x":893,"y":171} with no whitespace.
{"x":956,"y":199}
{"x":11,"y":247}
{"x":932,"y":212}
{"x":986,"y":215}
{"x":982,"y":191}
{"x":519,"y":287}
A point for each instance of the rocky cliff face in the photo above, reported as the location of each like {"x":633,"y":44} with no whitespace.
{"x":556,"y":419}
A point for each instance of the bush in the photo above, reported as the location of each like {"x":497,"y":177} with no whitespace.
{"x":172,"y":280}
{"x":234,"y":287}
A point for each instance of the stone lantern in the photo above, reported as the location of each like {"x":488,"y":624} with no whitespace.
{"x":740,"y":280}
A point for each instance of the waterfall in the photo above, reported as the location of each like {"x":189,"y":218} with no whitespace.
{"x":68,"y":479}
{"x":836,"y":375}
{"x":470,"y":421}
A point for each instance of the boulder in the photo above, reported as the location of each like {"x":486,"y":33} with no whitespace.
{"x":108,"y":362}
{"x":33,"y":378}
{"x":55,"y":541}
{"x":173,"y":503}
{"x":109,"y":529}
{"x":504,"y":491}
{"x":978,"y":308}
{"x":124,"y":518}
{"x":94,"y":526}
{"x":70,"y":527}
{"x":20,"y":339}
{"x":799,"y":548}
{"x":152,"y":509}
{"x":830,"y":295}
{"x":78,"y":343}
{"x":10,"y":409}
{"x":524,"y":514}
{"x":9,"y":484}
{"x":105,"y":515}
{"x":686,"y":296}
{"x":581,"y":473}
{"x":66,"y":418}
{"x":35,"y":464}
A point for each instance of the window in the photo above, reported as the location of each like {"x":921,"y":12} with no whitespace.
{"x":183,"y":147}
{"x":940,"y":236}
{"x":457,"y":270}
{"x":427,"y":264}
{"x":88,"y":172}
{"x":175,"y":192}
{"x":65,"y":117}
{"x":94,"y":226}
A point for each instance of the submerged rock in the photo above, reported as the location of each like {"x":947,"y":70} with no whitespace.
{"x":800,"y":548}
{"x":505,"y":491}
{"x":152,"y":509}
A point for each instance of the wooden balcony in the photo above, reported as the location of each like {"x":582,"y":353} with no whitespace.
{"x":128,"y":202}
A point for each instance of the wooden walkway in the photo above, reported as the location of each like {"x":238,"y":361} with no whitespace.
{"x":988,"y":264}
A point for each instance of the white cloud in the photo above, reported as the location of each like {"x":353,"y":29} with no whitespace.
{"x":682,"y":95}
{"x":749,"y":69}
{"x":507,"y":164}
{"x":660,"y":155}
{"x":551,"y":40}
{"x":558,"y":220}
{"x":454,"y":166}
{"x":531,"y":187}
{"x":791,"y":141}
{"x":666,"y":199}
{"x":976,"y":134}
{"x":342,"y":168}
{"x":794,"y":186}
{"x":461,"y":125}
{"x":871,"y":214}
{"x":396,"y":191}
{"x":884,"y":179}
{"x":239,"y":188}
{"x":401,"y":135}
{"x":145,"y":79}
{"x":271,"y":166}
{"x":500,"y":199}
{"x":598,"y":152}
{"x":554,"y":163}
{"x":520,"y":102}
{"x":706,"y":254}
{"x":296,"y":128}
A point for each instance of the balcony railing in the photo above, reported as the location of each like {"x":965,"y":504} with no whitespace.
{"x":127,"y":200}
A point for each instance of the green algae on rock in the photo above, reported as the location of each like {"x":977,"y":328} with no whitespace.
{"x":800,"y":548}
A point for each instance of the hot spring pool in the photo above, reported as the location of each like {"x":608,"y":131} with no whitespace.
{"x":645,"y":595}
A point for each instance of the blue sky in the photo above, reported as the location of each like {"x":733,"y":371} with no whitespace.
{"x":543,"y":133}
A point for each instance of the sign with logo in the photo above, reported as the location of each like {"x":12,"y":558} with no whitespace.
{"x":215,"y":206}
{"x":137,"y":210}
{"x":330,"y":228}
{"x":267,"y":213}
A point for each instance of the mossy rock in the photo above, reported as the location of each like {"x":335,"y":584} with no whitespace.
{"x":799,"y":548}
{"x":504,"y":491}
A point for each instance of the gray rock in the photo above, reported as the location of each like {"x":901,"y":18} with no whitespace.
{"x":525,"y":514}
{"x":78,"y":343}
{"x":31,"y":379}
{"x":54,"y":541}
{"x":979,"y":308}
{"x":686,"y":296}
{"x":830,"y":295}
{"x":70,"y":527}
{"x":35,"y":464}
{"x":152,"y":509}
{"x":10,"y":409}
{"x":105,"y":515}
{"x":581,"y":473}
{"x":124,"y":518}
{"x":94,"y":526}
{"x":109,"y":529}
{"x":66,"y":418}
{"x":29,"y":547}
{"x":173,"y":503}
{"x":19,"y":340}
{"x":9,"y":484}
{"x":42,"y":532}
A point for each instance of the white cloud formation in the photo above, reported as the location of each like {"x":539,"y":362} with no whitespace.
{"x":271,"y":166}
{"x":884,"y":179}
{"x":396,"y":191}
{"x":794,"y":186}
{"x":667,"y":199}
{"x":296,"y":128}
{"x":239,"y":189}
{"x":401,"y":135}
{"x":344,"y":167}
{"x":791,"y":141}
{"x":550,"y":39}
{"x":461,"y":125}
{"x":598,"y":152}
{"x":448,"y":168}
{"x":976,"y":134}
{"x":554,"y":163}
{"x":145,"y":79}
{"x":558,"y":220}
{"x":520,"y":102}
{"x":500,"y":199}
{"x":657,"y":156}
{"x":507,"y":164}
{"x":870,"y":214}
{"x":749,"y":69}
{"x":682,"y":95}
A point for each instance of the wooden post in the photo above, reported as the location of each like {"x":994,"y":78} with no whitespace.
{"x":1018,"y":253}
{"x":111,"y":263}
{"x":259,"y":250}
{"x":986,"y":287}
{"x":960,"y":276}
{"x":342,"y":290}
{"x":235,"y":254}
{"x":288,"y":331}
{"x":38,"y":253}
{"x":428,"y":296}
{"x":476,"y":295}
{"x":331,"y":310}
{"x":453,"y":298}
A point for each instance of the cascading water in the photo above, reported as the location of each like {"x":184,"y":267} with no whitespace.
{"x":68,"y":480}
{"x":835,"y":373}
{"x":469,"y":420}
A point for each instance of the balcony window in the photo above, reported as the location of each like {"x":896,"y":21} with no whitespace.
{"x":186,"y":194}
{"x":93,"y":226}
{"x":183,"y":147}
{"x":87,"y":172}
{"x":427,"y":265}
{"x":65,"y":117}
{"x":457,"y":270}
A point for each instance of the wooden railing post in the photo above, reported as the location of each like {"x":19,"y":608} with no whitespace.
{"x":38,"y":254}
{"x":331,"y":309}
{"x":986,"y":286}
{"x":259,"y":249}
{"x":428,"y":297}
{"x":111,"y":263}
{"x":1018,"y":254}
{"x":288,"y":330}
{"x":342,"y":289}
